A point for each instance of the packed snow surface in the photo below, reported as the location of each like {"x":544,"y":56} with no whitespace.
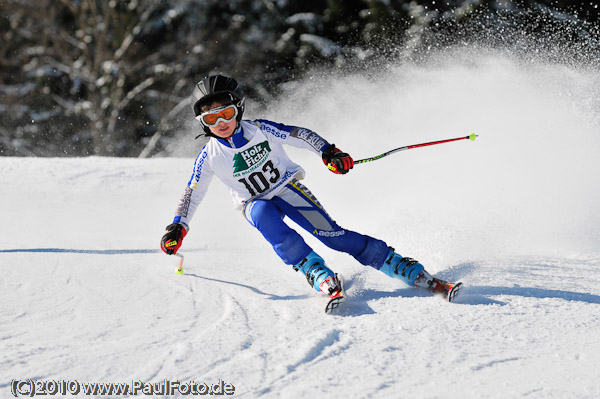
{"x":86,"y":296}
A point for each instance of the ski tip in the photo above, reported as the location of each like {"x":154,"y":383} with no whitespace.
{"x":472,"y":136}
{"x":333,"y":304}
{"x":454,"y":292}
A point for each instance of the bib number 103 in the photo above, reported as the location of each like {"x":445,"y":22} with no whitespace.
{"x":259,"y":182}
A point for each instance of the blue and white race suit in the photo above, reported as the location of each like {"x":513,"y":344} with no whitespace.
{"x":264,"y":183}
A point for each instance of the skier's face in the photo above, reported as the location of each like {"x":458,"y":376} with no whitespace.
{"x":223,"y":129}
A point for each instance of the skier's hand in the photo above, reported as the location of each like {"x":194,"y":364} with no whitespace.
{"x":173,"y":238}
{"x":337,"y":161}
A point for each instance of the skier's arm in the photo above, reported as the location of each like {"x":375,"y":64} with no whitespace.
{"x":294,"y":135}
{"x":336,"y":161}
{"x":189,"y":202}
{"x":195,"y":191}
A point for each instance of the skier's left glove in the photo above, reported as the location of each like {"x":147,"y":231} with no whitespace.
{"x":173,"y":238}
{"x":337,"y":161}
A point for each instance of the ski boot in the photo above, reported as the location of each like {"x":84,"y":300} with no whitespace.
{"x":319,"y":276}
{"x":412,"y":273}
{"x":402,"y":268}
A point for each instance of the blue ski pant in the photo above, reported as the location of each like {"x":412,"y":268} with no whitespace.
{"x":297,"y":203}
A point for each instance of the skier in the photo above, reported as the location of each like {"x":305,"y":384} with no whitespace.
{"x":248,"y":156}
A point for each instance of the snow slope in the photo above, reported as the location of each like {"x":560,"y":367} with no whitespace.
{"x":85,"y":296}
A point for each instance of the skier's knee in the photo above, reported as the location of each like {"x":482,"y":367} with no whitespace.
{"x":257,"y":210}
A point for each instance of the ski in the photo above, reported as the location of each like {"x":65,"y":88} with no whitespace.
{"x":337,"y":300}
{"x":453,"y":292}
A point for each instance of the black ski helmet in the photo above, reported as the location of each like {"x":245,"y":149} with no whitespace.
{"x":214,"y":87}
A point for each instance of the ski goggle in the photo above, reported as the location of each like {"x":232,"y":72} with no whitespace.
{"x":211,"y":118}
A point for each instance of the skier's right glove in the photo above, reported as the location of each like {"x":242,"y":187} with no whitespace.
{"x":173,"y":238}
{"x":337,"y":161}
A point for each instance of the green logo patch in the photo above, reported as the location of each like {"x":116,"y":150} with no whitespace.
{"x":248,"y":160}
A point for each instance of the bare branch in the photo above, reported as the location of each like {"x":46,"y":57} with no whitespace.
{"x":126,"y":100}
{"x":73,"y":41}
{"x":70,"y":5}
{"x":80,"y":73}
{"x":126,"y":43}
{"x":164,"y":125}
{"x":134,"y":92}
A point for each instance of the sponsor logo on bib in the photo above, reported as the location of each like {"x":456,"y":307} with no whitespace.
{"x":248,"y":160}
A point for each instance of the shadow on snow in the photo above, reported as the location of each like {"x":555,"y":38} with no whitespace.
{"x":253,"y":289}
{"x":479,"y":295}
{"x":475,"y":295}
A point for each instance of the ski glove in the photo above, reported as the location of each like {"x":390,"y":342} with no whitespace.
{"x":337,"y":161}
{"x":173,"y":238}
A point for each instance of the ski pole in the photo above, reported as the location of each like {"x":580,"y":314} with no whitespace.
{"x":179,"y":269}
{"x":471,"y":137}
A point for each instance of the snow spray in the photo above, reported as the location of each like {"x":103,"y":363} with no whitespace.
{"x":529,"y":186}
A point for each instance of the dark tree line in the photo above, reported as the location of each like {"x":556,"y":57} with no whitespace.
{"x":96,"y":77}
